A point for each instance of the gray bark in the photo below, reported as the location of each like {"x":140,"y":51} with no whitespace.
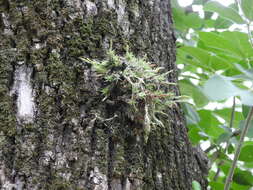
{"x":51,"y":136}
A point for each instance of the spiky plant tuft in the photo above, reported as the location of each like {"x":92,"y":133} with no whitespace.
{"x":144,"y":85}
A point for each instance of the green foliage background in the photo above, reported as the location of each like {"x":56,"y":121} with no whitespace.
{"x":215,"y":54}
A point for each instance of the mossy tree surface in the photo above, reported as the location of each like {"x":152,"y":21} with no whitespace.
{"x":75,"y":141}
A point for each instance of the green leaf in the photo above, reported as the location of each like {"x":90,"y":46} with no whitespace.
{"x":226,"y":115}
{"x":193,"y":91}
{"x":210,"y":124}
{"x":193,"y":20}
{"x":247,"y":72}
{"x":231,"y":149}
{"x":221,"y":23}
{"x":198,"y":2}
{"x":196,"y":185}
{"x":236,"y":186}
{"x":250,"y":131}
{"x":200,"y":55}
{"x":185,"y":57}
{"x":245,"y":110}
{"x":194,"y":135}
{"x":220,"y":88}
{"x":216,"y":185}
{"x":241,"y":41}
{"x":247,"y":8}
{"x":205,"y":58}
{"x":224,"y":137}
{"x":225,"y":167}
{"x":243,"y":177}
{"x":174,"y":4}
{"x":192,"y":116}
{"x":238,"y":48}
{"x":246,"y":153}
{"x":225,"y":12}
{"x":248,"y":164}
{"x":246,"y":97}
{"x":185,"y":21}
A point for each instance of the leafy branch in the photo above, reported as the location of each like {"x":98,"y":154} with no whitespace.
{"x":238,"y":150}
{"x":249,"y":116}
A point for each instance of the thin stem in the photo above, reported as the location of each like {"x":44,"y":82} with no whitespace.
{"x":246,"y":20}
{"x":218,"y":171}
{"x":238,"y":150}
{"x":249,"y":117}
{"x":232,"y":114}
{"x":210,"y":148}
{"x":227,"y":143}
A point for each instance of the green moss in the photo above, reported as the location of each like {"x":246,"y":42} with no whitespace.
{"x":7,"y":110}
{"x":59,"y":184}
{"x":91,"y":33}
{"x":29,"y":127}
{"x":140,"y":85}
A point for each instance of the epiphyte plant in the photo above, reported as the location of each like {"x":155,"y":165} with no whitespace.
{"x":141,"y":85}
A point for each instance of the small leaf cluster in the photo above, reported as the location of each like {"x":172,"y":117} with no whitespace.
{"x":141,"y":85}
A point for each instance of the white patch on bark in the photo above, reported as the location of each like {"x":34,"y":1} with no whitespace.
{"x":37,"y":46}
{"x":151,"y":2}
{"x":75,"y":121}
{"x":127,"y":185}
{"x":91,"y":8}
{"x":159,"y":177}
{"x":8,"y":186}
{"x":19,"y":184}
{"x":24,"y":92}
{"x":61,"y":160}
{"x":77,"y":3}
{"x":98,"y":179}
{"x":7,"y":27}
{"x":48,"y":90}
{"x":5,"y":21}
{"x":6,"y":183}
{"x":2,"y":176}
{"x":123,"y":17}
{"x":111,"y":4}
{"x":65,"y":176}
{"x":116,"y":184}
{"x":48,"y":156}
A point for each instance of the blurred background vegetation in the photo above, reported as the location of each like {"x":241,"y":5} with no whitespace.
{"x":215,"y":58}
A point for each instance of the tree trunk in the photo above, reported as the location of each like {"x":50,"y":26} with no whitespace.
{"x":50,"y":134}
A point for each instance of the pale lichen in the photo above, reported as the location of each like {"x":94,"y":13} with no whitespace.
{"x":23,"y":90}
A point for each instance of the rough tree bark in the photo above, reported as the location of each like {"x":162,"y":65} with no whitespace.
{"x":50,"y":135}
